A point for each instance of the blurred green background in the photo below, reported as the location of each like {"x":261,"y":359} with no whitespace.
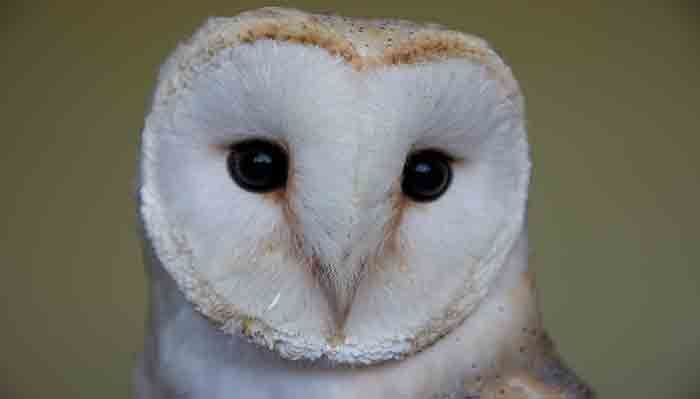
{"x":613,"y":99}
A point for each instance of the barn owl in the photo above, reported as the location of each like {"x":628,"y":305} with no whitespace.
{"x":335,"y":208}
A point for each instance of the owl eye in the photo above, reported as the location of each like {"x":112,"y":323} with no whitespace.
{"x":426,"y":175}
{"x":258,"y":166}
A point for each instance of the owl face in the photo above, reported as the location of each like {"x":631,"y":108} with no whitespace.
{"x":324,"y":198}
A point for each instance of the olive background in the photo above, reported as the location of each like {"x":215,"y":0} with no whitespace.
{"x":612,"y":91}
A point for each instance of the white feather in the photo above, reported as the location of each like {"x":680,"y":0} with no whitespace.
{"x":400,"y":279}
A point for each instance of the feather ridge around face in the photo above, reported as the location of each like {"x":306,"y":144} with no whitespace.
{"x":350,"y":100}
{"x":364,"y":44}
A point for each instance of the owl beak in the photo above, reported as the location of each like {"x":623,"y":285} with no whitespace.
{"x":340,"y":230}
{"x":339,"y":284}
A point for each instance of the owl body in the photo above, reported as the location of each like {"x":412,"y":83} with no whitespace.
{"x":335,"y":208}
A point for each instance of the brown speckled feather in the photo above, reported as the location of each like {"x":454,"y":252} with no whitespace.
{"x":547,"y":378}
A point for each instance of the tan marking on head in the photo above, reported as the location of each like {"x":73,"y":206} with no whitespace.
{"x":390,"y":245}
{"x":278,"y":197}
{"x":363,"y":43}
{"x":302,"y":33}
{"x":424,"y":46}
{"x":428,"y":47}
{"x":392,"y":240}
{"x":293,"y":227}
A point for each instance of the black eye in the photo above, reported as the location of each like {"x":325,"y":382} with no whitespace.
{"x":426,"y":175}
{"x":258,"y":165}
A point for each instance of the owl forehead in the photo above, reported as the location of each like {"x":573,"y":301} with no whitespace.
{"x":364,"y":44}
{"x":312,"y":101}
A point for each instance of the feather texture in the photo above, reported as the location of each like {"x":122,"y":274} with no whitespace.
{"x":338,"y":286}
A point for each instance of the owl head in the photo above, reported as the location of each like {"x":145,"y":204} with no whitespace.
{"x":334,"y":188}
